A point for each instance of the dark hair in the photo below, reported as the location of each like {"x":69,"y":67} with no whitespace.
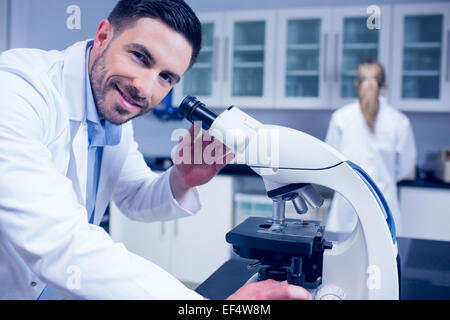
{"x":175,"y":13}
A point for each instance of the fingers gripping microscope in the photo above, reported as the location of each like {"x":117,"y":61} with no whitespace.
{"x":363,"y":266}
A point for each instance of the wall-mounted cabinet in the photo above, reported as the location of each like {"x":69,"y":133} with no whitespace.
{"x":249,"y":67}
{"x":235,"y":65}
{"x":421,"y":57}
{"x":302,"y":58}
{"x":202,"y":80}
{"x":319,"y":51}
{"x":308,"y":57}
{"x":356,"y":39}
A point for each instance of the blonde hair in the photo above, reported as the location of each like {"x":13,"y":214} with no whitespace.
{"x":370,"y":80}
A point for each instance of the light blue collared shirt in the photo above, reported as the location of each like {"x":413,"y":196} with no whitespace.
{"x":100,"y":133}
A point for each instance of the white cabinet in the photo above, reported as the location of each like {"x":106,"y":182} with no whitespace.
{"x":425,"y":213}
{"x":204,"y":80}
{"x":199,"y":247}
{"x":148,"y":240}
{"x":356,"y":38}
{"x":319,"y":51}
{"x":249,"y":63}
{"x":302,"y":61}
{"x":236,"y":64}
{"x":421,"y":73}
{"x":307,"y":57}
{"x":190,"y":248}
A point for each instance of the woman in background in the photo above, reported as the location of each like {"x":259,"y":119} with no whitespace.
{"x":376,"y":137}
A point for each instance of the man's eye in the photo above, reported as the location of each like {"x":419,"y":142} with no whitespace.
{"x":166,"y":77}
{"x":140,"y":57}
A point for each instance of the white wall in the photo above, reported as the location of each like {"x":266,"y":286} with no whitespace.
{"x":42,"y":24}
{"x":3,"y":25}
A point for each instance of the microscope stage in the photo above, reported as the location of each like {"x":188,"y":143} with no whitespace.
{"x":253,"y":239}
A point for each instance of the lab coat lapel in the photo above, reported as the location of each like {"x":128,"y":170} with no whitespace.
{"x":73,"y":90}
{"x":113,"y":157}
{"x":73,"y":81}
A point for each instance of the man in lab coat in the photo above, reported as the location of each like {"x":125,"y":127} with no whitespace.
{"x":67,"y":149}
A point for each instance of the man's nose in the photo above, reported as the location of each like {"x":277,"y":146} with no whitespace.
{"x":145,"y":84}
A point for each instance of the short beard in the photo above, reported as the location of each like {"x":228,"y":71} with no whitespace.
{"x":100,"y":89}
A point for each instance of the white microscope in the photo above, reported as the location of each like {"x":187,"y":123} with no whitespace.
{"x":363,"y":266}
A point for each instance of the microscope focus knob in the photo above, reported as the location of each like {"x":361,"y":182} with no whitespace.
{"x":330,"y":292}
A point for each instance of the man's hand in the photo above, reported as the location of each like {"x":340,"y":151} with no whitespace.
{"x":197,"y":159}
{"x":270,"y":290}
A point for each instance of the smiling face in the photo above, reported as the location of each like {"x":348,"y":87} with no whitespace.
{"x":133,"y":71}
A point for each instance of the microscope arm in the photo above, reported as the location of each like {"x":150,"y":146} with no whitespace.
{"x":369,"y":255}
{"x":370,"y":251}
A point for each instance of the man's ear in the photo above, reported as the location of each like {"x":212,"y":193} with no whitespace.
{"x":103,"y":36}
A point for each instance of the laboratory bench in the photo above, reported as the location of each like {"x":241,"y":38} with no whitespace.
{"x":424,"y":179}
{"x":424,"y":201}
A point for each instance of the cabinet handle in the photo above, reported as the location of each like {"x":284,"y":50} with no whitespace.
{"x":216,"y":58}
{"x":447,"y":75}
{"x":226,"y":57}
{"x":336,"y":52}
{"x":325,"y":56}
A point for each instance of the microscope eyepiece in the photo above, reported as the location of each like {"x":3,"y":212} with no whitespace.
{"x":193,"y":110}
{"x":232,"y":127}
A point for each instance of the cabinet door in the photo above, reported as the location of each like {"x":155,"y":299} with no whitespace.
{"x":421,"y":57}
{"x":199,"y":246}
{"x":151,"y":241}
{"x":302,"y":62}
{"x":425,"y":213}
{"x":357,"y":38}
{"x":249,"y":59}
{"x":202,"y":80}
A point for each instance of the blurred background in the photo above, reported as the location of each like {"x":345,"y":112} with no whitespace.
{"x":291,"y":63}
{"x":299,"y":91}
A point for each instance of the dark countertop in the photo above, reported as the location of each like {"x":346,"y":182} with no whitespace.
{"x":225,"y":281}
{"x":424,"y":272}
{"x":424,"y":179}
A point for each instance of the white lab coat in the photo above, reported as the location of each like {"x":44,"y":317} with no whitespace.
{"x":45,"y":237}
{"x":388,"y":156}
